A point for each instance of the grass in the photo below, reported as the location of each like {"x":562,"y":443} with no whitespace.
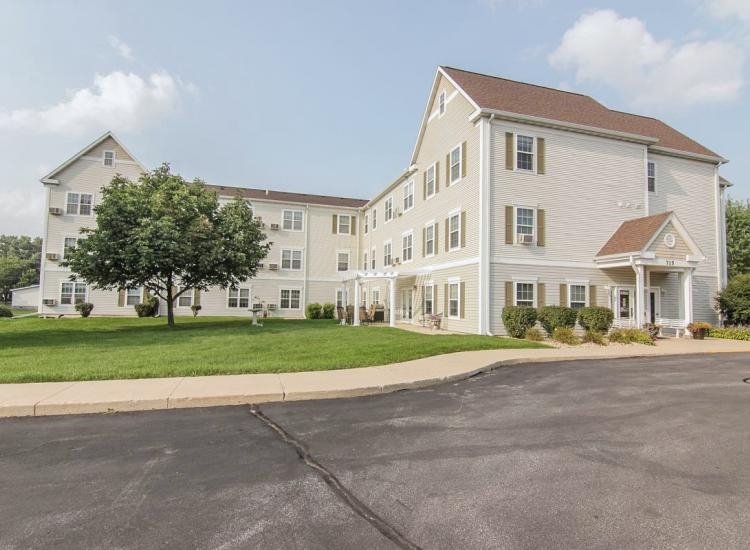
{"x":42,"y":350}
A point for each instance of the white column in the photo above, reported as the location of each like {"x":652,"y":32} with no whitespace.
{"x":687,"y":294}
{"x":639,"y":296}
{"x":356,"y":300}
{"x":392,"y":302}
{"x":647,"y":295}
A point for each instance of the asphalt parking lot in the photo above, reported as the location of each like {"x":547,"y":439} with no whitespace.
{"x":626,"y":453}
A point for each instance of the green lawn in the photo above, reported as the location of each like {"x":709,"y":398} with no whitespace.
{"x":41,"y":350}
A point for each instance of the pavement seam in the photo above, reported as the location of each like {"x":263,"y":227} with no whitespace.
{"x":338,"y":488}
{"x":283,"y":389}
{"x":179,"y":383}
{"x":50,"y":396}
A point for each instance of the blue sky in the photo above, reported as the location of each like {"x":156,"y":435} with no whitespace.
{"x":327,"y":97}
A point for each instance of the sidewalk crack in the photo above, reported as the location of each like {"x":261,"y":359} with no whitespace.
{"x":338,"y":488}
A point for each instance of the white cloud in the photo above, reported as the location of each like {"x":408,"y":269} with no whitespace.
{"x":117,"y":101}
{"x":121,"y":47}
{"x":21,"y":212}
{"x":619,"y":52}
{"x":725,"y":9}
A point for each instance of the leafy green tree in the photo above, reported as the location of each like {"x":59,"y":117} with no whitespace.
{"x":738,"y":237}
{"x":734,"y":300}
{"x":19,"y":263}
{"x":169,"y":236}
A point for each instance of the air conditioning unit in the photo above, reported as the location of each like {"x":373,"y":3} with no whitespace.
{"x":260,"y":266}
{"x":525,"y":239}
{"x":396,"y":261}
{"x":49,"y":302}
{"x":55,"y":211}
{"x":52,"y":256}
{"x":274,"y":227}
{"x":271,"y":306}
{"x":273,"y":267}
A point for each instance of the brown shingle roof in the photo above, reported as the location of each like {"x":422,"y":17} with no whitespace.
{"x":491,"y":92}
{"x":633,"y":235}
{"x":284,"y":196}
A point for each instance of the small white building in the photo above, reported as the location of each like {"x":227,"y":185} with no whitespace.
{"x":26,"y":297}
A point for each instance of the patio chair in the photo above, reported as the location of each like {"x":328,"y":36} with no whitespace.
{"x":436,"y":321}
{"x":371,"y":314}
{"x":341,"y":315}
{"x":364,"y":318}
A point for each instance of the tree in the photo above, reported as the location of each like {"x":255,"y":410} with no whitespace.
{"x":738,"y":237}
{"x":20,"y":258}
{"x":168,"y":236}
{"x":734,"y":301}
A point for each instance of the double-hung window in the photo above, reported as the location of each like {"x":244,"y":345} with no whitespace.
{"x":409,"y":195}
{"x":430,"y":181}
{"x":291,"y":220}
{"x":344,"y":227}
{"x":365,"y":264}
{"x":291,"y":259}
{"x":340,"y":295}
{"x":69,"y":243}
{"x":387,"y":259}
{"x":441,"y":103}
{"x":238,"y":298}
{"x":525,"y":294}
{"x":652,"y":177}
{"x":453,"y":300}
{"x":374,"y":218}
{"x":132,"y":296}
{"x":525,"y":224}
{"x":455,"y":164}
{"x":342,"y":261}
{"x":108,"y":159}
{"x":429,"y":240}
{"x":79,"y":204}
{"x":429,"y":299}
{"x":389,"y":209}
{"x":186,"y":298}
{"x":525,"y":153}
{"x":367,"y":225}
{"x":577,"y":296}
{"x":454,"y":231}
{"x":407,"y":246}
{"x":289,"y":298}
{"x":72,"y":293}
{"x":372,"y":259}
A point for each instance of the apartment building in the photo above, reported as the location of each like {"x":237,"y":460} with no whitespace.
{"x":515,"y":194}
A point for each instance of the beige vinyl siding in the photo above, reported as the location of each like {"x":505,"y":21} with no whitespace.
{"x":678,"y":252}
{"x":109,"y":145}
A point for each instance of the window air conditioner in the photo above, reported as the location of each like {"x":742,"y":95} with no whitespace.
{"x":49,"y":302}
{"x":274,"y":227}
{"x":525,"y":239}
{"x":271,"y":306}
{"x":273,"y":267}
{"x":52,"y":256}
{"x":260,"y":266}
{"x":55,"y":211}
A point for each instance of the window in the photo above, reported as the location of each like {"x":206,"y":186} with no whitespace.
{"x":387,"y":260}
{"x":342,"y":261}
{"x":407,"y":246}
{"x":365,"y":264}
{"x":79,"y":204}
{"x":453,"y":300}
{"x":429,"y":240}
{"x":367,"y":218}
{"x":429,"y":299}
{"x":69,"y":243}
{"x":525,"y":153}
{"x":291,"y":220}
{"x":185,"y":299}
{"x":389,"y":209}
{"x":441,"y":104}
{"x":109,"y":158}
{"x":652,"y":177}
{"x":132,"y":296}
{"x":409,"y":195}
{"x":454,"y":231}
{"x":72,"y":293}
{"x":372,"y":259}
{"x":340,"y":294}
{"x":291,"y":259}
{"x":577,"y":296}
{"x":455,"y":167}
{"x":525,"y":294}
{"x":238,"y":298}
{"x":374,"y":218}
{"x":375,"y":295}
{"x":524,"y":223}
{"x":430,"y":181}
{"x":344,"y":225}
{"x":290,"y":298}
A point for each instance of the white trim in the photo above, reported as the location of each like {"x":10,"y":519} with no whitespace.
{"x":98,"y":160}
{"x":440,"y":267}
{"x":485,"y":235}
{"x":45,"y":242}
{"x":451,"y":281}
{"x":404,"y":234}
{"x":388,"y":242}
{"x":104,"y":158}
{"x":348,"y":217}
{"x":177,"y":300}
{"x":291,"y":258}
{"x":646,"y":210}
{"x":73,"y":295}
{"x":717,"y":228}
{"x":534,"y":156}
{"x":586,"y":292}
{"x":301,"y":229}
{"x":348,"y":253}
{"x":534,"y":222}
{"x":62,"y":244}
{"x":385,"y":210}
{"x":432,"y":166}
{"x":442,"y":103}
{"x":525,"y":279}
{"x":125,"y":301}
{"x":461,"y":160}
{"x":452,"y":215}
{"x":290,"y":289}
{"x":78,"y":211}
{"x":409,"y":182}
{"x":533,"y":281}
{"x":249,"y":289}
{"x":430,"y":224}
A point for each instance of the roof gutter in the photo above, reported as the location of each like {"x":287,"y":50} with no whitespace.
{"x":405,"y":174}
{"x":688,"y":155}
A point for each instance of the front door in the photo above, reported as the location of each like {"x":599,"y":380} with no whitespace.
{"x":654,"y":305}
{"x":624,"y":304}
{"x":406,"y":304}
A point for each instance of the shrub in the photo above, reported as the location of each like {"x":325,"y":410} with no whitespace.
{"x":734,"y":301}
{"x":149,"y":308}
{"x":652,"y":329}
{"x":596,"y":319}
{"x":735,"y":333}
{"x":698,"y":325}
{"x":631,"y":336}
{"x":552,"y":317}
{"x":314,"y":311}
{"x":534,"y":334}
{"x":565,"y":335}
{"x":518,"y":319}
{"x":84,"y":308}
{"x":195,"y":308}
{"x":595,"y":338}
{"x":5,"y":311}
{"x":329,"y":311}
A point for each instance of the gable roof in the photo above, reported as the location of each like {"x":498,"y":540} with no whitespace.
{"x":500,"y":94}
{"x":50,"y":178}
{"x":634,"y":235}
{"x":284,"y":196}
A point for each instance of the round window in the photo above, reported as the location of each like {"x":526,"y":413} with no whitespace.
{"x":670,"y":240}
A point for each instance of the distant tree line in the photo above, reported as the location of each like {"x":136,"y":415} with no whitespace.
{"x":738,"y":237}
{"x":20,"y":258}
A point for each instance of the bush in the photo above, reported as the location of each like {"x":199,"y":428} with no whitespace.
{"x":195,"y":308}
{"x":5,"y":311}
{"x":552,"y":317}
{"x":84,"y":308}
{"x":595,"y":338}
{"x":329,"y":311}
{"x":565,"y":335}
{"x":631,"y":336}
{"x":652,"y":329}
{"x":534,"y":334}
{"x":314,"y":311}
{"x":736,"y":333}
{"x":518,"y":319}
{"x":596,"y":319}
{"x":148,"y":308}
{"x":734,"y":301}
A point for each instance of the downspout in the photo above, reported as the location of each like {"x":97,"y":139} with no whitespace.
{"x":43,"y":260}
{"x":485,"y":129}
{"x":306,"y":256}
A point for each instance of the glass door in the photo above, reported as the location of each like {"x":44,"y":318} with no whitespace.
{"x":406,"y":304}
{"x":624,"y":304}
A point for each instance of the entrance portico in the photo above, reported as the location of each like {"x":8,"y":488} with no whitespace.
{"x":361,"y":276}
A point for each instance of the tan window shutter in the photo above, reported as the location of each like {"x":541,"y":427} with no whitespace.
{"x":196,"y":297}
{"x":563,"y":295}
{"x":509,"y":150}
{"x":446,"y":300}
{"x":424,"y":186}
{"x":424,"y":240}
{"x":121,"y":298}
{"x":463,"y":229}
{"x":447,"y":169}
{"x":447,"y":235}
{"x":508,"y":225}
{"x":436,"y":233}
{"x":462,"y":300}
{"x":463,"y":159}
{"x":334,"y":227}
{"x":540,"y":156}
{"x":540,"y":228}
{"x":540,"y":295}
{"x":508,"y":293}
{"x":592,"y":295}
{"x":437,"y":176}
{"x":354,"y":225}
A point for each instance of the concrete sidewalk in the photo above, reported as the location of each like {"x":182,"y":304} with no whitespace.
{"x":54,"y":398}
